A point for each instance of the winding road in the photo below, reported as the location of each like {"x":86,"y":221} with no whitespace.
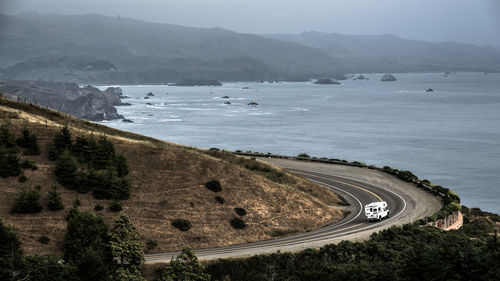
{"x":359,"y":186}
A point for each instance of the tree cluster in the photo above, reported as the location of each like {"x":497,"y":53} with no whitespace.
{"x":92,"y":251}
{"x":399,"y":253}
{"x":97,"y":167}
{"x":29,"y":142}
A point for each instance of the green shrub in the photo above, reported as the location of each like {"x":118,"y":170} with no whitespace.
{"x":213,"y":185}
{"x":342,"y":202}
{"x":27,"y":202}
{"x":98,"y":207}
{"x":116,"y":206}
{"x":303,"y":155}
{"x":23,"y":178}
{"x":182,"y":224}
{"x":28,"y":164}
{"x":77,"y":203}
{"x":150,"y":245}
{"x":54,"y":200}
{"x":240,"y":211}
{"x":220,"y":199}
{"x":44,"y":239}
{"x":238,"y":223}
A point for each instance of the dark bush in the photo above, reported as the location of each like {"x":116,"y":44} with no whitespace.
{"x":77,"y":203}
{"x":150,"y":245}
{"x":182,"y":224}
{"x":27,"y":202}
{"x":303,"y":155}
{"x":54,"y":200}
{"x":23,"y":178}
{"x":116,"y":206}
{"x":238,"y":223}
{"x":44,"y":239}
{"x":240,"y":211}
{"x":28,"y":164}
{"x":213,"y":185}
{"x":98,"y":207}
{"x":220,"y":199}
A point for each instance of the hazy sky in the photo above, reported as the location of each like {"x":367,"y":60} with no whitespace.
{"x":470,"y":21}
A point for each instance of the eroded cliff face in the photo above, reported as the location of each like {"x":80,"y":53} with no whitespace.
{"x":85,"y":102}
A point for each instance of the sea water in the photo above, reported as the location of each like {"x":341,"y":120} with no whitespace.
{"x":450,"y":136}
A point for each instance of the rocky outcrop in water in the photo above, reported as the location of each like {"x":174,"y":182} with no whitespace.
{"x":85,"y":102}
{"x":388,"y":78}
{"x":327,"y":82}
{"x":198,"y":82}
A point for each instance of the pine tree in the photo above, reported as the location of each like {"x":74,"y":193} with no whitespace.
{"x":125,"y":242}
{"x":104,"y":154}
{"x":121,"y":165}
{"x":62,"y":141}
{"x":54,"y":200}
{"x":7,"y":141}
{"x":86,"y":246}
{"x":84,"y":149}
{"x":66,"y":170}
{"x":10,"y":253}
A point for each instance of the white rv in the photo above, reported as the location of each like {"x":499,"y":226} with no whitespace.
{"x":376,"y":211}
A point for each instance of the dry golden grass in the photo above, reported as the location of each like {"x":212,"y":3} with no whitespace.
{"x":167,"y":182}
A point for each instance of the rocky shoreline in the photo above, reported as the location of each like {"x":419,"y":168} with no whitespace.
{"x":85,"y":102}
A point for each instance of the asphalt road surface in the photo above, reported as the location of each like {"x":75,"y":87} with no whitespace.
{"x":359,"y":186}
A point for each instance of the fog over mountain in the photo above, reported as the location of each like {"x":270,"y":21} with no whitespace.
{"x":467,"y":21}
{"x":100,"y":49}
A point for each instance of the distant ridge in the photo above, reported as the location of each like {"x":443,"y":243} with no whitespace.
{"x":145,"y":52}
{"x":389,"y":53}
{"x":100,"y":49}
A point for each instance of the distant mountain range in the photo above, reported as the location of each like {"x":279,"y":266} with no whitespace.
{"x":100,"y":49}
{"x":389,"y":53}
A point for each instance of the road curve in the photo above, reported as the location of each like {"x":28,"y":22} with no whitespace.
{"x":358,"y":186}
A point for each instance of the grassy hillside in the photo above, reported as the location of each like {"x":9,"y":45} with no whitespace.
{"x":166,"y":183}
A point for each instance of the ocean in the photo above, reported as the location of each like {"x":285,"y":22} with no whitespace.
{"x":450,"y":136}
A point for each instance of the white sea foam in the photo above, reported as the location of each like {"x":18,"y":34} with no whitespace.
{"x":170,"y":120}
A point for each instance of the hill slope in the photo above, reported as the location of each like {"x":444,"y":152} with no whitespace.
{"x":166,"y":183}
